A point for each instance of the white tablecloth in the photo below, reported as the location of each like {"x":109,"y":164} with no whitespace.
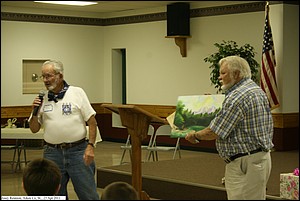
{"x":25,"y":133}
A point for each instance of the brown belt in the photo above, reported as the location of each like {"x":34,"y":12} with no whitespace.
{"x":66,"y":145}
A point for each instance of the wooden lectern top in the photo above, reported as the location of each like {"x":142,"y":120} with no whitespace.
{"x":135,"y":109}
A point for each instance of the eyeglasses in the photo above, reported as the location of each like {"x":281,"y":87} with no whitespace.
{"x":47,"y":76}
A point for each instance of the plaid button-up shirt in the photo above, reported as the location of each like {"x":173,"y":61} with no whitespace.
{"x":245,"y":121}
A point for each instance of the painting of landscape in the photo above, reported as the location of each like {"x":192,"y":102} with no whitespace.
{"x":195,"y":113}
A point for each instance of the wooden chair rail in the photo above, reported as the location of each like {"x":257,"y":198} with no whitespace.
{"x":24,"y":111}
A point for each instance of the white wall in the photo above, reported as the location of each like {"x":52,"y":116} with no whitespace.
{"x":156,"y":71}
{"x":80,"y":48}
{"x":286,"y":41}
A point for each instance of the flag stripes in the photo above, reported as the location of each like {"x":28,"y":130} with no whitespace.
{"x":268,"y":76}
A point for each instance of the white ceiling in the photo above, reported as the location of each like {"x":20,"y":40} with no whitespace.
{"x":101,"y":7}
{"x":105,"y":7}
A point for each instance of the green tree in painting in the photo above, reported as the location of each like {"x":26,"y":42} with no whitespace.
{"x":187,"y":119}
{"x":179,"y":120}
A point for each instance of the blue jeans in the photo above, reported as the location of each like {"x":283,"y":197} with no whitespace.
{"x":71,"y":164}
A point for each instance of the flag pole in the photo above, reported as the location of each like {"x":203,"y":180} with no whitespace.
{"x":267,"y":7}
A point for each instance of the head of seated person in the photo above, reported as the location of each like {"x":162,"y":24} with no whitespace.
{"x":119,"y":191}
{"x":41,"y":177}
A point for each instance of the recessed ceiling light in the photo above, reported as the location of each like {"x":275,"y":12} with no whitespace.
{"x":73,"y":3}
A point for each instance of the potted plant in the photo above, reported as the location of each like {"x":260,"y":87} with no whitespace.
{"x":228,"y":48}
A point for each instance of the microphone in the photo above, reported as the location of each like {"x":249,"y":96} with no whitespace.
{"x":36,"y":108}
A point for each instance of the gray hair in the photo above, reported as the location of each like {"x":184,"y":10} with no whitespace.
{"x":57,"y":65}
{"x":236,"y":63}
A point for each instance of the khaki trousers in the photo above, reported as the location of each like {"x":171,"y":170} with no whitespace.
{"x":246,"y":177}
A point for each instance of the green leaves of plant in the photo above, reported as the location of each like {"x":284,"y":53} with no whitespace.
{"x":228,"y":48}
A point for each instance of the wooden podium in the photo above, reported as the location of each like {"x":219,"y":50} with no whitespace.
{"x":137,"y":121}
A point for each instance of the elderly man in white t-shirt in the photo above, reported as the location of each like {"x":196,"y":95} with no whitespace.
{"x":64,"y":113}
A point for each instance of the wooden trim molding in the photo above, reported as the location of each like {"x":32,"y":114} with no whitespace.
{"x":15,"y":111}
{"x":286,"y":126}
{"x":286,"y":120}
{"x":24,"y":111}
{"x":198,"y":12}
{"x":281,"y":120}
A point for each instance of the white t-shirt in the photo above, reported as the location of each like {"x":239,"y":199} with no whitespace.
{"x":65,"y":121}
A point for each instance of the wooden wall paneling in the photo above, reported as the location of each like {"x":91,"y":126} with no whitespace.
{"x":15,"y":111}
{"x":286,"y":126}
{"x":286,"y":120}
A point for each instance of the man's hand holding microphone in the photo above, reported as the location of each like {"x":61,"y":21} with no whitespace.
{"x":37,"y":103}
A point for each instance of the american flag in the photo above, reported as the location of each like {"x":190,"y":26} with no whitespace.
{"x":268,"y":77}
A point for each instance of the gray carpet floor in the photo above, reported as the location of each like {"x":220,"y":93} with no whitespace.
{"x":208,"y":169}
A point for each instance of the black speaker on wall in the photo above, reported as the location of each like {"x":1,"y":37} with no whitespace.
{"x":178,"y":19}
